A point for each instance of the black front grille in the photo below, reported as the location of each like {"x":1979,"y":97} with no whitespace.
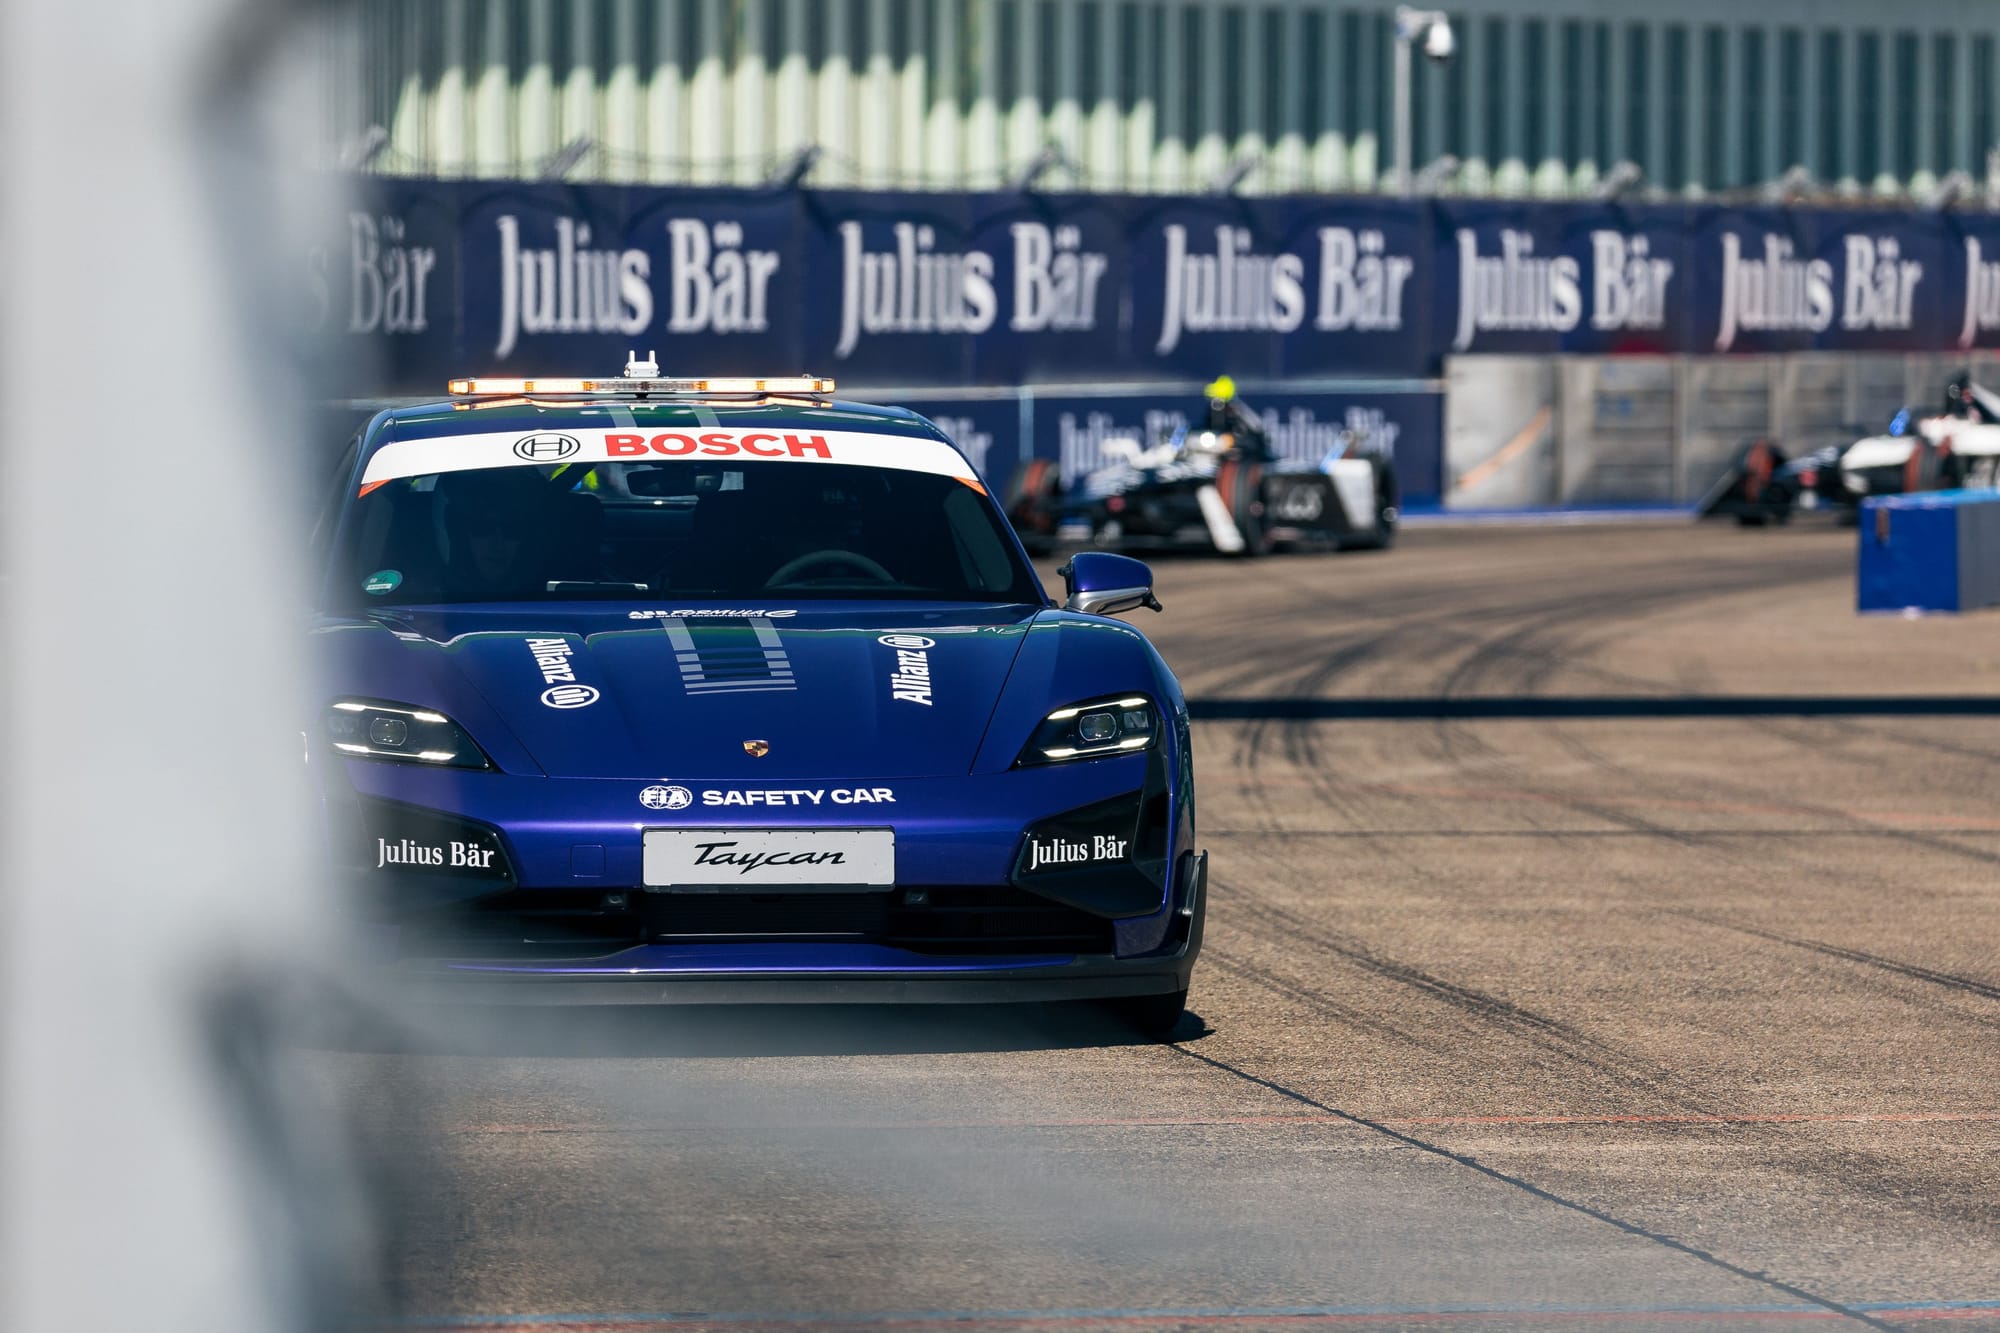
{"x":938,"y":920}
{"x":736,"y":916}
{"x":958,"y":921}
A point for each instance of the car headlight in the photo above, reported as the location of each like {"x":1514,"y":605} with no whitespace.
{"x":1119,"y":724}
{"x":366,"y":729}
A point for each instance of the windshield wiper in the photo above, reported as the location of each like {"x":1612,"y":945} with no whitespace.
{"x":581,"y":587}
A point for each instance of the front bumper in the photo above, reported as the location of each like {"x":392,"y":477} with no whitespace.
{"x":559,"y":913}
{"x":817,"y":973}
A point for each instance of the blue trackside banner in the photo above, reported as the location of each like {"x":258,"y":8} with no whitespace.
{"x":433,"y":279}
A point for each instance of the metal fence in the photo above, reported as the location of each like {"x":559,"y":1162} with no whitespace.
{"x":1542,"y":97}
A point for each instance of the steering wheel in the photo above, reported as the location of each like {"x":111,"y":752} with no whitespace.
{"x":791,"y":569}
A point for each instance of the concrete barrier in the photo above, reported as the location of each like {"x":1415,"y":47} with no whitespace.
{"x":1938,"y":551}
{"x":1529,"y":431}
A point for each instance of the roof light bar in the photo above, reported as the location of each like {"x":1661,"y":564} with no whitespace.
{"x":806,"y":386}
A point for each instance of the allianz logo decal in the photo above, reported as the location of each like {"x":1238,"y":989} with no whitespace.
{"x":552,"y":659}
{"x":910,"y":676}
{"x":1768,"y":287}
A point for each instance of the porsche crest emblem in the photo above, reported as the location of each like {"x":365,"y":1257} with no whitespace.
{"x":756,"y":749}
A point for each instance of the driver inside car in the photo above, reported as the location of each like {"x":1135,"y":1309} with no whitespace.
{"x":826,"y":544}
{"x":493,"y":528}
{"x":1229,"y":418}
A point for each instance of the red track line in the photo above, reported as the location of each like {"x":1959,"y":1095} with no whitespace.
{"x":1197,"y":1122}
{"x":1397,"y":1319}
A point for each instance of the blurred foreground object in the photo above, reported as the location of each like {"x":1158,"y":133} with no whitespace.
{"x":159,"y":1172}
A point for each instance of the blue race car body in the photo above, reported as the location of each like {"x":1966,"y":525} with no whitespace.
{"x":709,"y":696}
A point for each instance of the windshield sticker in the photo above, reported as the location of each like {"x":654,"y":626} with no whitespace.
{"x":382,"y":582}
{"x":727,"y":661}
{"x":460,"y":453}
{"x":910,"y":680}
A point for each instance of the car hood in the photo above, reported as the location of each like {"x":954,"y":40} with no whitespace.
{"x":841,"y":689}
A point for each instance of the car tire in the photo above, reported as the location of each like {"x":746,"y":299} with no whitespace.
{"x":1387,"y":514}
{"x":1153,"y":1016}
{"x":1032,"y":493}
{"x":1241,"y":486}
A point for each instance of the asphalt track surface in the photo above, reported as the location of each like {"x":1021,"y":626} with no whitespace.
{"x":1603,"y":932}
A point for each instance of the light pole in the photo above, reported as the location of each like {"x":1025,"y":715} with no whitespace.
{"x":1432,"y":27}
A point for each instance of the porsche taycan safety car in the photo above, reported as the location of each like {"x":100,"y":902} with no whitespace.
{"x":1224,"y":491}
{"x":645,"y":690}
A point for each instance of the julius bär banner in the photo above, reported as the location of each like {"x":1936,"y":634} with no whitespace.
{"x":430,"y":279}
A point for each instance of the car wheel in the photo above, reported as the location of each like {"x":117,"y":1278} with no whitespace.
{"x":1152,"y":1015}
{"x":1241,"y":486}
{"x":1387,"y":514}
{"x":1032,"y":493}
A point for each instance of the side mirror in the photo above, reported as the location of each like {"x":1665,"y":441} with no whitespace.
{"x":1102,"y":584}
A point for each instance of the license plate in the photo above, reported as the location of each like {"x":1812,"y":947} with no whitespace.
{"x":749,"y":860}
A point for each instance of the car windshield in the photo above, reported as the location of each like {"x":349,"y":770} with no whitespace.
{"x":690,"y":529}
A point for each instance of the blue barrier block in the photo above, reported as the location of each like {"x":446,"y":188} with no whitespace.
{"x":1935,"y":551}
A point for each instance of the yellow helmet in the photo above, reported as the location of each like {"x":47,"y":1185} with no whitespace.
{"x":1222,"y":387}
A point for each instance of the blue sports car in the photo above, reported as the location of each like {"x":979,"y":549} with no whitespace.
{"x":652,"y":690}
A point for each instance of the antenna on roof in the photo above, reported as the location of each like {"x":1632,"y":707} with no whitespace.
{"x":649,"y":369}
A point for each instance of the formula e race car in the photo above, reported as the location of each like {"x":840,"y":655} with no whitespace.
{"x":1224,"y":491}
{"x":649,"y":690}
{"x":1959,"y":446}
{"x":1763,"y":486}
{"x":1919,"y":451}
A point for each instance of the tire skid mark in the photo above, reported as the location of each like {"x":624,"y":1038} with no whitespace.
{"x":1526,"y":1186}
{"x":1619,"y":1067}
{"x":1985,"y":990}
{"x":1299,"y":745}
{"x":1523,"y":659}
{"x":1564,"y":627}
{"x":1358,"y":1019}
